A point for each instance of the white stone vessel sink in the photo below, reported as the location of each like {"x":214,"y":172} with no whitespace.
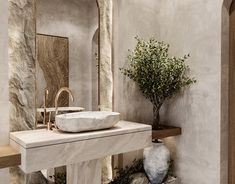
{"x":87,"y":121}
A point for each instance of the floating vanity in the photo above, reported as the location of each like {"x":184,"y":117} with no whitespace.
{"x":82,"y":153}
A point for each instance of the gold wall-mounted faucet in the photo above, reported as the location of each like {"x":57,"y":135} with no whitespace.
{"x":57,"y":98}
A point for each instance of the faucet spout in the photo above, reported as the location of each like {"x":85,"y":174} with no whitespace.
{"x":46,"y":93}
{"x":66,"y":89}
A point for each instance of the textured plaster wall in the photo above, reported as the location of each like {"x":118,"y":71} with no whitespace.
{"x":77,"y":20}
{"x":4,"y":115}
{"x":189,"y":27}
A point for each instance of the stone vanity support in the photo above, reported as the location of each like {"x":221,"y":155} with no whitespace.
{"x":82,"y":153}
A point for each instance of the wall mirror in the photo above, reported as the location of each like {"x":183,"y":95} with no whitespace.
{"x":66,"y":56}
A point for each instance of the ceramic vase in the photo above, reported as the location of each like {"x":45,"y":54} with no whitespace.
{"x":156,"y":162}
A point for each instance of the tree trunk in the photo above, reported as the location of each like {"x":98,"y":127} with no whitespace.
{"x":156,"y":117}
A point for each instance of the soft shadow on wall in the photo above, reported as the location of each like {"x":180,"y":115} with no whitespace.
{"x":198,"y":111}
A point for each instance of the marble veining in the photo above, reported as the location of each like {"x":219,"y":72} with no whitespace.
{"x":52,"y":68}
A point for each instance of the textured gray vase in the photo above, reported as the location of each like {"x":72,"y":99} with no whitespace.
{"x":156,"y":162}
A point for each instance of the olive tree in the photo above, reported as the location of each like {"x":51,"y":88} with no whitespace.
{"x":158,"y":75}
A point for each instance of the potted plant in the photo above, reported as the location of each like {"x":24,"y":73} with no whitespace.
{"x":158,"y":75}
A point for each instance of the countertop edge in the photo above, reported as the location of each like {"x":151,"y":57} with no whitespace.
{"x":142,"y":128}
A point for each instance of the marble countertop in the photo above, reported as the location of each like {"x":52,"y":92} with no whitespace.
{"x":39,"y":138}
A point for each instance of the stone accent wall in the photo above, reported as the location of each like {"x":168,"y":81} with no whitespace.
{"x":105,"y":70}
{"x":21,"y":30}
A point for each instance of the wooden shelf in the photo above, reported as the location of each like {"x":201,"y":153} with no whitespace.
{"x":9,"y":157}
{"x":166,"y":131}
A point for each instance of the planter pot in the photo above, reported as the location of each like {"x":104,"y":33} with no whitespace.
{"x":156,"y":162}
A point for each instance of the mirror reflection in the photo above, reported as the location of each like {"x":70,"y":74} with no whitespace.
{"x":66,"y":57}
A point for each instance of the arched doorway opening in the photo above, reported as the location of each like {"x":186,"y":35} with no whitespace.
{"x":231,"y":95}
